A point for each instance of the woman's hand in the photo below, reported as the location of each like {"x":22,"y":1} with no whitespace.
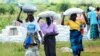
{"x":47,"y":34}
{"x":52,"y":33}
{"x":39,"y":19}
{"x":86,"y":20}
{"x":18,"y":17}
{"x":62,"y":22}
{"x":42,"y":41}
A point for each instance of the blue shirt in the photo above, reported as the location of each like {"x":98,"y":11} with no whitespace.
{"x":92,"y":15}
{"x":32,"y":26}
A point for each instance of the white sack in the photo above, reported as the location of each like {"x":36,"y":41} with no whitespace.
{"x":29,"y":8}
{"x":73,"y":10}
{"x":52,"y":14}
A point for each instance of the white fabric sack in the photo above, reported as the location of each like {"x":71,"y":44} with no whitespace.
{"x":29,"y":8}
{"x":73,"y":10}
{"x":91,"y":8}
{"x":29,"y":52}
{"x":52,"y":14}
{"x":32,"y":51}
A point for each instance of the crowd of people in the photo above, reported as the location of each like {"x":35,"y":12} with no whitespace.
{"x":48,"y":31}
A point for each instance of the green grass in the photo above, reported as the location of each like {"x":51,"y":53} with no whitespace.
{"x":91,"y":48}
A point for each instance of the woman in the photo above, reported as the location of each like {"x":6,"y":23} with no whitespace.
{"x":92,"y":16}
{"x":31,"y":41}
{"x":50,"y":31}
{"x":75,"y":33}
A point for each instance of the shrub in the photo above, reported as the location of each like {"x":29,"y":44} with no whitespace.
{"x":63,"y":6}
{"x":11,"y":10}
{"x":7,"y":8}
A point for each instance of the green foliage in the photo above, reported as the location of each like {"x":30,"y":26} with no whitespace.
{"x":3,"y":23}
{"x":63,"y":6}
{"x":7,"y":8}
{"x":11,"y":10}
{"x":54,"y":6}
{"x":3,"y":9}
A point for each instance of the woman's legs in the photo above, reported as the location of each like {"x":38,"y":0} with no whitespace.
{"x":74,"y":54}
{"x":78,"y":54}
{"x":94,"y":33}
{"x":76,"y":42}
{"x":46,"y":47}
{"x":50,"y":46}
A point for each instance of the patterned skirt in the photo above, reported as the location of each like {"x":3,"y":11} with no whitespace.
{"x":76,"y":41}
{"x":94,"y":33}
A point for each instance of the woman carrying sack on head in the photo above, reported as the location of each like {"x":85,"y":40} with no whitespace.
{"x":31,"y":42}
{"x":75,"y":33}
{"x":50,"y":31}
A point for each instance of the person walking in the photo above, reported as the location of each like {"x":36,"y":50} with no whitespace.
{"x":92,"y":17}
{"x":75,"y":33}
{"x":50,"y":31}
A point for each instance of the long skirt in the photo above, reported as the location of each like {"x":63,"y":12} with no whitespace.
{"x":94,"y":33}
{"x":50,"y":45}
{"x":76,"y":41}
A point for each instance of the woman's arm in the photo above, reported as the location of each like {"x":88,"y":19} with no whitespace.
{"x":39,"y":27}
{"x":38,"y":19}
{"x":39,"y":30}
{"x":86,"y":20}
{"x":18,"y":18}
{"x":62,"y":22}
{"x":40,"y":34}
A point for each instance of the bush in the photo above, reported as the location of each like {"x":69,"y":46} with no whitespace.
{"x":11,"y":10}
{"x":7,"y":8}
{"x":63,"y":6}
{"x":3,"y":9}
{"x":3,"y":23}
